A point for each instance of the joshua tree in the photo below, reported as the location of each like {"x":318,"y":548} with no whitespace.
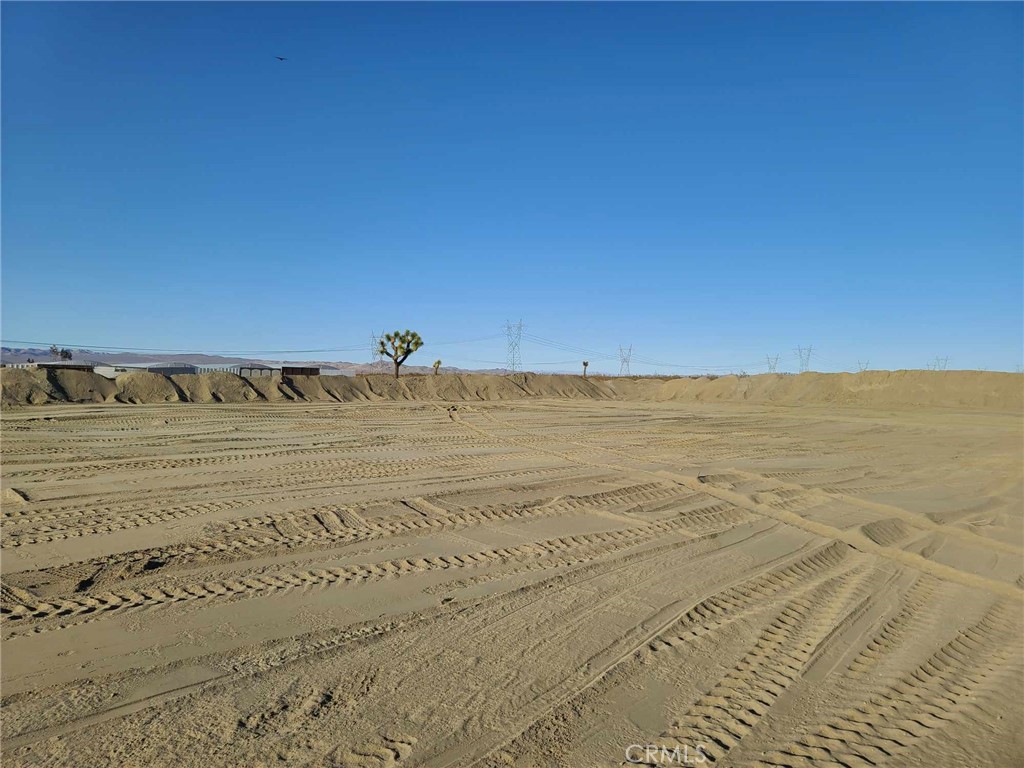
{"x":398,"y":346}
{"x":585,"y":364}
{"x":54,"y":352}
{"x":437,"y":365}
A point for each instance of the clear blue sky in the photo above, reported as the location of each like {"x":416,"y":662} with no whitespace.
{"x":709,"y":182}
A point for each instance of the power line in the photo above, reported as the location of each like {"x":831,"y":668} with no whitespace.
{"x":462,"y":341}
{"x":504,"y":362}
{"x":99,"y":347}
{"x":633,"y":356}
{"x":550,"y":343}
{"x":660,"y":364}
{"x":831,"y":363}
{"x":107,"y":349}
{"x":514,"y":334}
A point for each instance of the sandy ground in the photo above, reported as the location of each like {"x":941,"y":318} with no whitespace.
{"x":530,"y":583}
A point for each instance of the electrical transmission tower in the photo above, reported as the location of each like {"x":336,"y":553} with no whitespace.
{"x":376,"y":359}
{"x":773,"y":363}
{"x":863,"y":365}
{"x":941,"y":363}
{"x":624,"y":354}
{"x":514,"y":332}
{"x":804,"y":353}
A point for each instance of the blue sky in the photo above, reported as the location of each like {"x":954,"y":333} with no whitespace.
{"x":709,"y":182}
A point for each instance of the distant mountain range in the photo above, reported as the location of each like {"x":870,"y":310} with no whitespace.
{"x":24,"y":355}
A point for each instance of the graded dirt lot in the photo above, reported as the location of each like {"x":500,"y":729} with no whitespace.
{"x":538,"y":582}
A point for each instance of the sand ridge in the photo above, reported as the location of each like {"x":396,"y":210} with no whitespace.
{"x":956,"y":389}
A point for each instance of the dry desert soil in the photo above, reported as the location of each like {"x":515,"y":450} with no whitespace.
{"x":541,"y":581}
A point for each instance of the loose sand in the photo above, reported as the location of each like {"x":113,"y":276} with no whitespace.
{"x":554,"y":572}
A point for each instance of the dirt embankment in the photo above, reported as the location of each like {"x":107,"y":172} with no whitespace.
{"x":882,"y":389}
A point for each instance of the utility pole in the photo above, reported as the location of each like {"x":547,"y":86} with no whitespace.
{"x":514,"y":333}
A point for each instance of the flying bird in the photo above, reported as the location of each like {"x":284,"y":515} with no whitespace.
{"x":281,"y":58}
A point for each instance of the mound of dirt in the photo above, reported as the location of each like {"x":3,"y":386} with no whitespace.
{"x":540,"y":385}
{"x":457,"y":388}
{"x":882,"y":389}
{"x":347,"y":389}
{"x":385,"y":387}
{"x":215,"y":387}
{"x":82,"y":387}
{"x":13,"y":496}
{"x":485,"y":387}
{"x":142,"y":387}
{"x":430,"y":387}
{"x":879,"y":389}
{"x":628,"y":389}
{"x":23,"y":386}
{"x":269,"y":388}
{"x":307,"y":388}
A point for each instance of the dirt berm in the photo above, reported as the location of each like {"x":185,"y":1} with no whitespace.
{"x":881,"y":389}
